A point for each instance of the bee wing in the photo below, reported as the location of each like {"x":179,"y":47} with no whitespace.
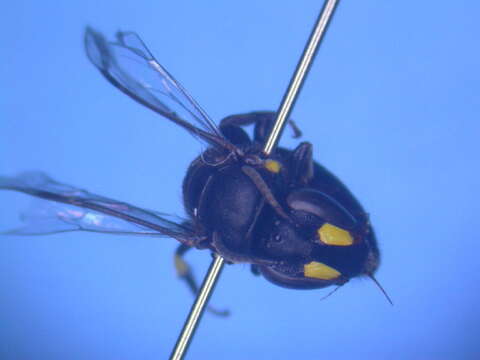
{"x":129,"y":66}
{"x":74,"y":209}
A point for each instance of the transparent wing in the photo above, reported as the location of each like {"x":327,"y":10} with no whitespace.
{"x":74,"y":209}
{"x":130,"y":66}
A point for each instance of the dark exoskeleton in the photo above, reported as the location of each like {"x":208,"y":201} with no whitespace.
{"x":268,"y":211}
{"x":285,"y":214}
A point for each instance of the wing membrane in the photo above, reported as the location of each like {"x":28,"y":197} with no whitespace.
{"x":130,"y":66}
{"x":71,"y":209}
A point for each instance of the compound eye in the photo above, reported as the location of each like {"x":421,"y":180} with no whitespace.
{"x":320,"y":271}
{"x":322,"y":206}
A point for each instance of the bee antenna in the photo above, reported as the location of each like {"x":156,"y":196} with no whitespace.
{"x":381,"y":288}
{"x":330,"y":293}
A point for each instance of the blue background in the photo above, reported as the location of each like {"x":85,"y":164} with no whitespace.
{"x":391,"y":106}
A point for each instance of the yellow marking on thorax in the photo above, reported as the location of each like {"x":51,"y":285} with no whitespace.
{"x":273,"y":166}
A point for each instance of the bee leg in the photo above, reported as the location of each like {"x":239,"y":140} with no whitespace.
{"x":265,"y":190}
{"x":185,"y":273}
{"x":301,"y":161}
{"x":231,"y":129}
{"x":235,"y":257}
{"x":263,"y":121}
{"x":255,"y":270}
{"x":183,"y":269}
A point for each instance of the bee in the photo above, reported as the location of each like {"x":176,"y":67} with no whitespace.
{"x":289,"y":217}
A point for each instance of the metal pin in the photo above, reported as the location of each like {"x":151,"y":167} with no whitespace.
{"x":285,"y":109}
{"x":197,"y":309}
{"x":301,"y":71}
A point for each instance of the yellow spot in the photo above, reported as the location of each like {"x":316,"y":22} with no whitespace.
{"x":181,"y":266}
{"x":331,"y":235}
{"x":320,"y":271}
{"x":273,"y":166}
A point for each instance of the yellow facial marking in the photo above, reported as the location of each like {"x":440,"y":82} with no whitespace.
{"x":331,"y":235}
{"x":321,"y":271}
{"x":273,"y":166}
{"x":181,"y":266}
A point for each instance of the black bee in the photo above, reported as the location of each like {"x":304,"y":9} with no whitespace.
{"x":284,"y":214}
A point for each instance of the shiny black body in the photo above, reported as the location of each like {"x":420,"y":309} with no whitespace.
{"x":227,"y":207}
{"x":284,"y":214}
